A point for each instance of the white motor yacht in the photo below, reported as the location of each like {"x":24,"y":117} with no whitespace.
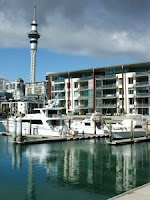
{"x":87,"y":126}
{"x":131,"y":124}
{"x":47,"y":121}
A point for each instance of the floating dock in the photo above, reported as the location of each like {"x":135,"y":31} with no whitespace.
{"x":138,"y":193}
{"x":128,"y":141}
{"x":37,"y":139}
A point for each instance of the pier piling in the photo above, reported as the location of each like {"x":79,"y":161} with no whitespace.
{"x":19,"y":129}
{"x":110,"y":132}
{"x":132,"y":131}
{"x":14,"y":128}
{"x":146,"y":129}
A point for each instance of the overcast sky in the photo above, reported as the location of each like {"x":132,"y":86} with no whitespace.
{"x":98,"y":29}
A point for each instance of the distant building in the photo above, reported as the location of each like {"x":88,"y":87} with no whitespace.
{"x":110,"y":90}
{"x":3,"y":84}
{"x":17,"y":88}
{"x":36,"y":90}
{"x":20,"y":107}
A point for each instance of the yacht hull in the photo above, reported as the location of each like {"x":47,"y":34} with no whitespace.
{"x":127,"y":134}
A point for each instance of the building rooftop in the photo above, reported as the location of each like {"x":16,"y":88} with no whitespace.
{"x":100,"y":68}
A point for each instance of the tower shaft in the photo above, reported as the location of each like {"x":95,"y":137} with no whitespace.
{"x":33,"y":36}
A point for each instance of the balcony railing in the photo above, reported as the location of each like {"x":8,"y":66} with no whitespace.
{"x":58,"y":89}
{"x":109,"y":95}
{"x":142,"y":73}
{"x":107,"y":105}
{"x":85,"y":97}
{"x":142,"y":105}
{"x":83,"y":88}
{"x":109,"y":86}
{"x":142,"y":94}
{"x":82,"y":106}
{"x":85,"y":79}
{"x":142,"y":83}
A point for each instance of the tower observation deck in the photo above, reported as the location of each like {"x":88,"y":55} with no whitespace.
{"x":34,"y":36}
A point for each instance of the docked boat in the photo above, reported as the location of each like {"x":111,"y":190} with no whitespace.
{"x":132,"y":125}
{"x":47,"y":121}
{"x":89,"y":126}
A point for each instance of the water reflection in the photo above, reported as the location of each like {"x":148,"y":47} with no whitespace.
{"x":89,"y":166}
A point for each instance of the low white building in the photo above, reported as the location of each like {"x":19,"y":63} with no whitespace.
{"x":20,"y":108}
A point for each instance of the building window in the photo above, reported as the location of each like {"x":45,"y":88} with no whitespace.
{"x":76,"y":93}
{"x":120,"y":81}
{"x":75,"y":85}
{"x":130,"y":80}
{"x":120,"y":101}
{"x":131,"y":91}
{"x":131,"y":100}
{"x":120,"y":90}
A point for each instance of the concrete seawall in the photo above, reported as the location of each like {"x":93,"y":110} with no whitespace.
{"x":142,"y":192}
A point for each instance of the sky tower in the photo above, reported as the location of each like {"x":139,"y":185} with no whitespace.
{"x":34,"y":36}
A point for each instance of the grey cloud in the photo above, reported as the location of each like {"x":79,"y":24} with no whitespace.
{"x":100,"y":28}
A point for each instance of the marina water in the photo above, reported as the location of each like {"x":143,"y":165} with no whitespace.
{"x":86,"y":169}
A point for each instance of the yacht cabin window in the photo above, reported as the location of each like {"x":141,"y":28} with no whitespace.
{"x":55,"y":122}
{"x":33,"y":121}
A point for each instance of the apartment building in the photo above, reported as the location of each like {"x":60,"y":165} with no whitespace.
{"x":110,"y":90}
{"x":36,"y":90}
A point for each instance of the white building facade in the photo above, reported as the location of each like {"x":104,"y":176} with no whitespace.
{"x":110,"y":90}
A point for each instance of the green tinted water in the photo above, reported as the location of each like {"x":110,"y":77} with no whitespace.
{"x":76,"y":170}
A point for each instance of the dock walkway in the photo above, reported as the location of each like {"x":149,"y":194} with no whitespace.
{"x":128,"y":141}
{"x":142,"y":192}
{"x":37,"y":139}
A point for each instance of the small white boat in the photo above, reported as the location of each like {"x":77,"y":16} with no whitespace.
{"x":47,"y":121}
{"x":133,"y":123}
{"x":87,"y":126}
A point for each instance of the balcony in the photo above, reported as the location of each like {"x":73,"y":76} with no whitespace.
{"x":82,"y":106}
{"x":138,"y":74}
{"x":146,"y":94}
{"x":83,"y":88}
{"x":109,"y":86}
{"x":85,"y":79}
{"x":84,"y":97}
{"x":108,"y":77}
{"x":141,"y":84}
{"x":142,"y":105}
{"x":58,"y":90}
{"x":112,"y":105}
{"x":109,"y":96}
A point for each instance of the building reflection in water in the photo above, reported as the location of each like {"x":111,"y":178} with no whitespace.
{"x":17,"y":162}
{"x":90,"y":165}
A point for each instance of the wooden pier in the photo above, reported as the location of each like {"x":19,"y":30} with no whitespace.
{"x":128,"y":141}
{"x":37,"y":139}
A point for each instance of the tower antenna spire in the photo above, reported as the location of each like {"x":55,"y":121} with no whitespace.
{"x":34,"y":12}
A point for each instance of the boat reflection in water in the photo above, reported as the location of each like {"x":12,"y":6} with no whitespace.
{"x":88,"y":169}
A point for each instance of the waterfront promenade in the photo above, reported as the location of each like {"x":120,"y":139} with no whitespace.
{"x":142,"y":192}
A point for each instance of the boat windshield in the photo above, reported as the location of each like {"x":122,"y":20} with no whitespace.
{"x":55,"y":122}
{"x":35,"y":111}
